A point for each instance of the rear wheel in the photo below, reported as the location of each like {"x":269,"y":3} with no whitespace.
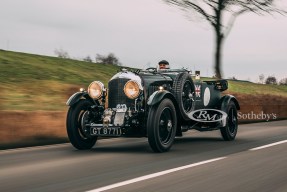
{"x":230,"y":130}
{"x":77,"y":118}
{"x":161,"y":126}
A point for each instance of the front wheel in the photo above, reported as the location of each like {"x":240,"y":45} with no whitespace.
{"x":161,"y":126}
{"x":230,"y":130}
{"x":77,"y":117}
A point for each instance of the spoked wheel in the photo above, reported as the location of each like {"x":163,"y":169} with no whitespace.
{"x":77,"y":118}
{"x":230,"y":130}
{"x":184,"y":92}
{"x":161,"y":126}
{"x":187,"y":96}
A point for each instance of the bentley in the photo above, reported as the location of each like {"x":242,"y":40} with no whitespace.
{"x":157,"y":104}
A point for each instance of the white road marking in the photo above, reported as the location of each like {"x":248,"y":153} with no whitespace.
{"x":153,"y":175}
{"x":269,"y":145}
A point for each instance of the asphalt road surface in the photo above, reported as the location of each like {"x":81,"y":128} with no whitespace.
{"x":255,"y":161}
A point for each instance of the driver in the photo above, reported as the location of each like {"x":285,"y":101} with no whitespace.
{"x":163,"y":64}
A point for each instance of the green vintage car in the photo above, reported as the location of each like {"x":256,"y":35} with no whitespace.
{"x":157,"y":104}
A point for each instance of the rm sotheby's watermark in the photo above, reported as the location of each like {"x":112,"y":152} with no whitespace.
{"x":214,"y":115}
{"x":257,"y":116}
{"x":208,"y":115}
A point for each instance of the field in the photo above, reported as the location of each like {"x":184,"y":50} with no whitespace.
{"x":32,"y":82}
{"x":34,"y":90}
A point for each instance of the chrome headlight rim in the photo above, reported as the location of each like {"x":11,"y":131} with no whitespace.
{"x":96,"y":93}
{"x":138,"y":87}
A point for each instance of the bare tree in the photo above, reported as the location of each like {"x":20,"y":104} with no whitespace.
{"x":283,"y":81}
{"x":215,"y":12}
{"x":233,"y":78}
{"x":261,"y":78}
{"x":271,"y":80}
{"x":88,"y":59}
{"x":109,"y":59}
{"x":61,"y":53}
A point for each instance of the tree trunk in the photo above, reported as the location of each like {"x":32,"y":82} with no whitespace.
{"x":219,"y":41}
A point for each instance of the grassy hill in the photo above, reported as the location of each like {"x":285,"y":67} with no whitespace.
{"x":257,"y":89}
{"x":33,"y":82}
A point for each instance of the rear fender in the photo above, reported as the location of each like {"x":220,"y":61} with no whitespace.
{"x":225,"y":100}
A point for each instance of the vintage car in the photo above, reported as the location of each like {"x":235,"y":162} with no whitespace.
{"x":157,"y":104}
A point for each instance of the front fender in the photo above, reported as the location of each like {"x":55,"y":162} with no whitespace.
{"x":157,"y":96}
{"x":77,"y":96}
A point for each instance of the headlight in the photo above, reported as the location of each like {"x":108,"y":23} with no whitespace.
{"x":95,"y":89}
{"x":132,"y":89}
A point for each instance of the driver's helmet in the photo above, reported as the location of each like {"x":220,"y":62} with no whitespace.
{"x":163,"y":64}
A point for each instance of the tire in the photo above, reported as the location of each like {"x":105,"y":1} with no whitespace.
{"x":77,"y":114}
{"x":161,"y":126}
{"x":184,"y":91}
{"x":230,"y":130}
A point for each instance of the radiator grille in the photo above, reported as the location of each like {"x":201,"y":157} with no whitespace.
{"x":116,"y":93}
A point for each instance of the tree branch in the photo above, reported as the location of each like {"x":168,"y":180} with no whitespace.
{"x":187,"y":4}
{"x":232,"y":21}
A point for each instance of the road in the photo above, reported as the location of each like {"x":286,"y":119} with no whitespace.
{"x":196,"y":162}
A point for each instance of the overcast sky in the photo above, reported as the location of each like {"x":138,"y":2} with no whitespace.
{"x":142,"y":32}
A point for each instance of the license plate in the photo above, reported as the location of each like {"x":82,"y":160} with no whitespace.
{"x":106,"y":131}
